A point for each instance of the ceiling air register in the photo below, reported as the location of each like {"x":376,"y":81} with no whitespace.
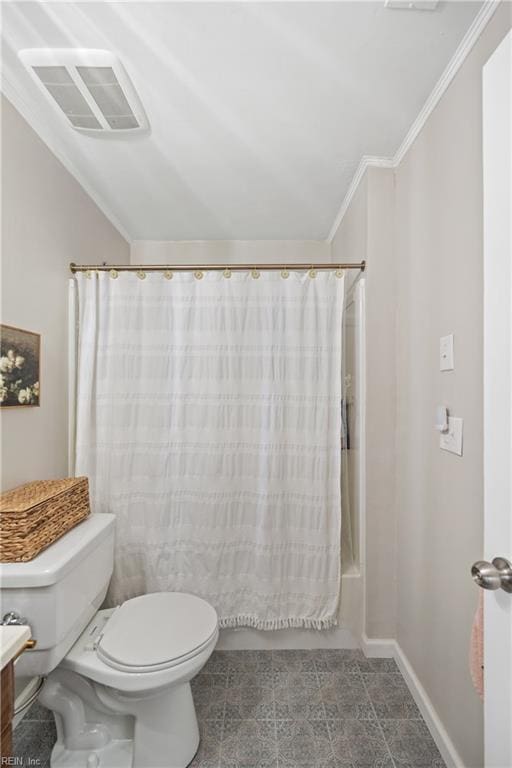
{"x":92,"y":88}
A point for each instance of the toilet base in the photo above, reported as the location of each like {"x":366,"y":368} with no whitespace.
{"x":100,"y":727}
{"x":118,"y":754}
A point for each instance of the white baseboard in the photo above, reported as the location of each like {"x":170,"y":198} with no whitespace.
{"x":389,"y":648}
{"x":432,"y":719}
{"x":382,"y":648}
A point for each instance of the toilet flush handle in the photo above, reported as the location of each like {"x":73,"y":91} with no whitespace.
{"x":13,"y":619}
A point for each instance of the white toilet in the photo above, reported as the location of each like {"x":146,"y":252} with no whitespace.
{"x":118,"y":679}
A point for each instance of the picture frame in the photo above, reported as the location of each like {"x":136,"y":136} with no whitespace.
{"x":20,"y":367}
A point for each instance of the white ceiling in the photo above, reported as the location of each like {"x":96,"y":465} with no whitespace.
{"x":260,"y":112}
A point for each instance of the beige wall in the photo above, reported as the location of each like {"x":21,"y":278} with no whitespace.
{"x":381,"y":287}
{"x":47,"y":221}
{"x":422,"y":237}
{"x":366,"y":232}
{"x":228,"y":251}
{"x":440,"y":500}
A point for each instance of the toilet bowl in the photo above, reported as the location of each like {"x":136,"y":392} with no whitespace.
{"x":121,"y":696}
{"x":118,"y":679}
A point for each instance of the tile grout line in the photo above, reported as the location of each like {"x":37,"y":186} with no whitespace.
{"x":275,"y":707}
{"x":377,"y":720}
{"x":325,"y":711}
{"x":224,"y":715}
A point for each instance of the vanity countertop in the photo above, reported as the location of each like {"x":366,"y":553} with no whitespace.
{"x":12,"y":640}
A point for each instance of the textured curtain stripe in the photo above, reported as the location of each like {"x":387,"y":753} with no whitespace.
{"x":209,"y":423}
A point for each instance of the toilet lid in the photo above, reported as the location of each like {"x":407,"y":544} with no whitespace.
{"x":156,"y":631}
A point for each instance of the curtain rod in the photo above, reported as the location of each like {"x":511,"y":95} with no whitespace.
{"x":209,"y":267}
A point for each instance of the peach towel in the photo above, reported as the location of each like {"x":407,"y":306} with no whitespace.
{"x":476,"y":650}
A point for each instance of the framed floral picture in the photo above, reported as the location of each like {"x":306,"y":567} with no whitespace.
{"x":19,"y":367}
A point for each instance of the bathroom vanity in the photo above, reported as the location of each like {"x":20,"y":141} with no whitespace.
{"x":13,"y":641}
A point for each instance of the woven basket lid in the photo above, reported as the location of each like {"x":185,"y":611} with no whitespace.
{"x":30,"y":494}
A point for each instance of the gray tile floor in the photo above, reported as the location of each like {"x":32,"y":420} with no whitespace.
{"x":290,"y":709}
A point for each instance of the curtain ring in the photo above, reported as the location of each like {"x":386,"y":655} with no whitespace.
{"x":255,"y":273}
{"x":198,"y":274}
{"x":141,"y":274}
{"x":114,"y":274}
{"x":168,"y":274}
{"x":339,"y":272}
{"x":227,"y":273}
{"x":88,"y":274}
{"x":284,"y":273}
{"x":312,"y":272}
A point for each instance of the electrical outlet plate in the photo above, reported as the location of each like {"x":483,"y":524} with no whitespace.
{"x":446,"y":362}
{"x":451,"y":440}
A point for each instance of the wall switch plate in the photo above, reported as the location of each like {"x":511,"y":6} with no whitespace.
{"x":452,"y":439}
{"x":446,"y":353}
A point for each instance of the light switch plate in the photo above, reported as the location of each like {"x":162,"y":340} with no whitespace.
{"x":452,"y":440}
{"x":446,"y":353}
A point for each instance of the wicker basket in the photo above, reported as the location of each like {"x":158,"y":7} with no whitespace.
{"x":35,"y":515}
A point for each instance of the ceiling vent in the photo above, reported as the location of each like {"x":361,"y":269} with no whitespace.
{"x":412,"y":5}
{"x":92,"y":88}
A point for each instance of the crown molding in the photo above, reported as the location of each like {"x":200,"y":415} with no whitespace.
{"x":47,"y":137}
{"x":367,"y":161}
{"x":479,"y":23}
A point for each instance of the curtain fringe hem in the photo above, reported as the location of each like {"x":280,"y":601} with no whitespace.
{"x":273,"y":624}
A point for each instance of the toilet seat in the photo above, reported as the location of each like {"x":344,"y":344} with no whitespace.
{"x":156,"y":632}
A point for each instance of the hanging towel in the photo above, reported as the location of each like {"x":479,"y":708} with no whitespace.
{"x":476,"y":652}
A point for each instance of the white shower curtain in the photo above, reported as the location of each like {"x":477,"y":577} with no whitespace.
{"x":208,"y":422}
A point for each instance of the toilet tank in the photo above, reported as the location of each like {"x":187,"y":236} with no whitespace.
{"x":60,"y":590}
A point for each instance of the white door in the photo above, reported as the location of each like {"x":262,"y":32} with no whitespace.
{"x":497,"y":154}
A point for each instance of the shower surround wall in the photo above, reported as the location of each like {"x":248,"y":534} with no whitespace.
{"x":366,"y":233}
